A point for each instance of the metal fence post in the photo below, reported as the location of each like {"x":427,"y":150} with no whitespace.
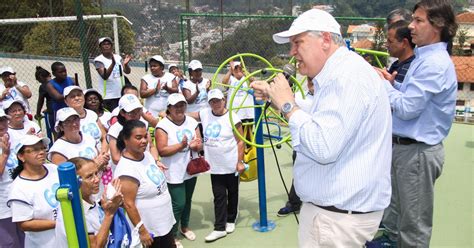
{"x":82,"y":38}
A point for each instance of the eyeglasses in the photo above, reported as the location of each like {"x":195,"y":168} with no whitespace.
{"x":90,"y":177}
{"x":35,"y":149}
{"x":134,"y":112}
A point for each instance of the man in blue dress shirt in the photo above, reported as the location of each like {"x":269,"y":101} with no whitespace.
{"x":423,"y":110}
{"x":343,"y":141}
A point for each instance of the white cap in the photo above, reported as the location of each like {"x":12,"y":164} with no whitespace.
{"x":6,"y":69}
{"x":172,"y":65}
{"x":8,"y":103}
{"x":69,"y":89}
{"x":174,"y":98}
{"x":90,"y":90}
{"x":311,"y":20}
{"x":159,"y":59}
{"x":236,"y":63}
{"x":215,"y":94}
{"x":62,"y":115}
{"x":194,"y":65}
{"x":104,"y":39}
{"x":3,"y":114}
{"x":129,"y":102}
{"x":29,"y":140}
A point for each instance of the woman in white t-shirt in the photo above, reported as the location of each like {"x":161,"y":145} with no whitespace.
{"x":90,"y":123}
{"x":94,"y":102}
{"x":157,"y":86}
{"x":11,"y":234}
{"x":146,"y":196}
{"x":195,"y":90}
{"x":98,"y":216}
{"x":225,"y":153}
{"x":177,"y":136}
{"x":242,"y":98}
{"x":32,"y":198}
{"x":130,"y":109}
{"x":13,"y":89}
{"x":18,"y":127}
{"x":72,"y":142}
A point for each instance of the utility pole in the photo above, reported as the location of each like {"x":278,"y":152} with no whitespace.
{"x":188,"y":24}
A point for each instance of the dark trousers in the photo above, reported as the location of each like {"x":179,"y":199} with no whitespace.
{"x":181,"y":197}
{"x":225,"y":189}
{"x":293,"y":199}
{"x":111,"y":104}
{"x":166,"y":241}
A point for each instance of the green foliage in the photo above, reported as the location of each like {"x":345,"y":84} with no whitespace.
{"x":38,"y":38}
{"x":251,"y":38}
{"x":38,"y":41}
{"x":461,"y":38}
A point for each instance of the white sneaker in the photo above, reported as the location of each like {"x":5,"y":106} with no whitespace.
{"x":215,"y":235}
{"x":230,"y":227}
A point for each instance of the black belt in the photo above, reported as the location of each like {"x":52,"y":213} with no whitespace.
{"x":337,"y":210}
{"x":404,"y":141}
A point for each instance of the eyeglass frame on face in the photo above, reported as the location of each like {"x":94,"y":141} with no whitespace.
{"x":97,"y":174}
{"x":35,"y":150}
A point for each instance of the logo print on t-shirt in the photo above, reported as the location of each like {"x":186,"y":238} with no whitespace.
{"x":50,"y":195}
{"x":87,"y":153}
{"x":157,"y":177}
{"x":92,"y":130}
{"x":213,"y":130}
{"x":180,"y":134}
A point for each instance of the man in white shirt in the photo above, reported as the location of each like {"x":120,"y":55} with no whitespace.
{"x":343,"y":144}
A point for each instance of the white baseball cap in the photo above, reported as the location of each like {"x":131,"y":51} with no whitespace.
{"x":3,"y":114}
{"x":174,"y":98}
{"x":85,"y":91}
{"x":62,"y":115}
{"x":236,"y":63}
{"x":129,"y":102}
{"x":69,"y":89}
{"x":29,"y":140}
{"x":104,"y":39}
{"x":8,"y":103}
{"x":172,"y":65}
{"x":194,"y":65}
{"x":311,"y":20}
{"x":6,"y":69}
{"x":159,"y":59}
{"x":215,"y":94}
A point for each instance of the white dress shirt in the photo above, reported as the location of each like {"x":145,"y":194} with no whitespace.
{"x":344,"y":141}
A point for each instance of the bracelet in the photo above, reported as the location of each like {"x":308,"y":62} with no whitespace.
{"x":137,"y":227}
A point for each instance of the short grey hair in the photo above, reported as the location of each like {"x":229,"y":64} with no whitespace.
{"x":336,"y":38}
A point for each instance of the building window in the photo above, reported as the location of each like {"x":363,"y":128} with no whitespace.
{"x":460,"y":102}
{"x":461,"y":86}
{"x":472,"y":87}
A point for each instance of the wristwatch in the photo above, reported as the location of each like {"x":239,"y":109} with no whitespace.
{"x":287,"y":107}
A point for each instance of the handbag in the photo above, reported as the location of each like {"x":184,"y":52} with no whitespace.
{"x":197,"y":165}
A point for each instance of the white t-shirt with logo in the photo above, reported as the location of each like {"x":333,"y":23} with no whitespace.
{"x":153,"y":200}
{"x":220,"y":146}
{"x":178,"y":162}
{"x":201,"y":99}
{"x":15,"y":94}
{"x":241,"y":99}
{"x":89,"y":126}
{"x":157,"y":102}
{"x":94,"y":215}
{"x":36,"y":199}
{"x":86,"y":148}
{"x":113,"y":83}
{"x":15,"y":135}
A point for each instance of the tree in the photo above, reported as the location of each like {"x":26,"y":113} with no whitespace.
{"x":462,"y":38}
